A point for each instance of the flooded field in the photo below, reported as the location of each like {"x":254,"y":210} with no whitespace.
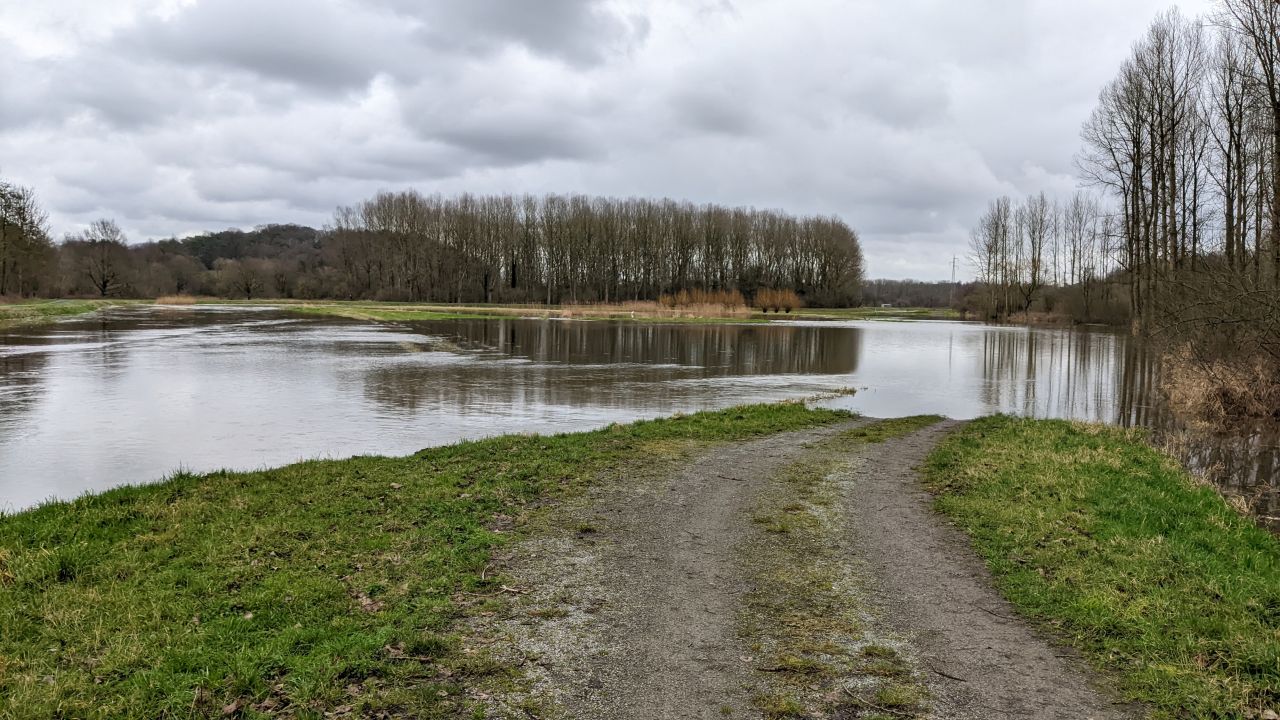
{"x":131,"y":395}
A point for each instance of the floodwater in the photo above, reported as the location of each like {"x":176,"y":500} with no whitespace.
{"x":133,"y":394}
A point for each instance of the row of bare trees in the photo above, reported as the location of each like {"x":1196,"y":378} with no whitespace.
{"x":407,"y":246}
{"x":1186,"y":141}
{"x":1020,"y":250}
{"x":1184,"y":146}
{"x":575,"y":248}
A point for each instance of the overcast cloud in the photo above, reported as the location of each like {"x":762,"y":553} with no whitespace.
{"x":903,"y":118}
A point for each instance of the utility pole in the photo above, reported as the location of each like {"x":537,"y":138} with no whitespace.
{"x":951,"y":302}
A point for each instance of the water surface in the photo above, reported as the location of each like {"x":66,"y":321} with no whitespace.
{"x":132,"y":394}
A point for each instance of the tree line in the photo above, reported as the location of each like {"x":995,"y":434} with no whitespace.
{"x":406,"y":246}
{"x":25,"y":248}
{"x":574,"y":248}
{"x":1186,"y":141}
{"x":1182,"y":237}
{"x":1180,"y":156}
{"x":1038,"y":254}
{"x":913,"y":293}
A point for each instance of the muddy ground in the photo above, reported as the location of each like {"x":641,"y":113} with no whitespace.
{"x":799,"y":575}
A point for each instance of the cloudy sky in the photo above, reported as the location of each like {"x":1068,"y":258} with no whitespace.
{"x":904,"y":117}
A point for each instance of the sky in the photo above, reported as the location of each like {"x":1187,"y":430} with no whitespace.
{"x":903,"y":118}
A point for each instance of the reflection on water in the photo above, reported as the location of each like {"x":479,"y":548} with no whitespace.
{"x":1110,"y":378}
{"x":1244,"y":464}
{"x":134,"y":394}
{"x":623,"y":367}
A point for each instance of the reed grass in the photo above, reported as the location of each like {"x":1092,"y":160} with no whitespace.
{"x":1222,"y":389}
{"x":778,"y":300}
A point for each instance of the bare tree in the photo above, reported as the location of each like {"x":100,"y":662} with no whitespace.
{"x":584,"y":249}
{"x":25,"y":248}
{"x":1256,"y":23}
{"x":104,"y":256}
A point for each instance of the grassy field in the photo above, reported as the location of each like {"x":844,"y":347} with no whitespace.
{"x":23,"y":313}
{"x":1152,"y":576}
{"x":363,"y":310}
{"x":408,"y":312}
{"x":45,"y":310}
{"x":876,"y":313}
{"x":321,"y":587}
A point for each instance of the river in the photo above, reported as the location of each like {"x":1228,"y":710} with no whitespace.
{"x":131,"y":395}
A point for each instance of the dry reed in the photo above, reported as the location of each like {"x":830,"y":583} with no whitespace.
{"x":1222,"y":389}
{"x":650,"y":309}
{"x":778,"y":300}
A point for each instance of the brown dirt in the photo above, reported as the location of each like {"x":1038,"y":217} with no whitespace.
{"x":634,"y":592}
{"x":980,"y":659}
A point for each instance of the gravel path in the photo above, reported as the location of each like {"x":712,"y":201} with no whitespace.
{"x":665,"y":586}
{"x":635,"y":592}
{"x":981,"y":660}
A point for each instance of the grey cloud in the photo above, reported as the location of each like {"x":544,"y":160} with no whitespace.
{"x":718,"y":106}
{"x":323,"y":44}
{"x":581,"y":32}
{"x":903,"y":118}
{"x":896,"y":95}
{"x":504,"y":144}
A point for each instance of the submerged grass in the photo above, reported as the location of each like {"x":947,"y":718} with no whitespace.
{"x":401,"y":313}
{"x":1104,"y":538}
{"x":321,"y":589}
{"x":408,"y":312}
{"x":26,"y":313}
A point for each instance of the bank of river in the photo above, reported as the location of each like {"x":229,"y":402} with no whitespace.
{"x":387,"y":587}
{"x":133,"y":394}
{"x":37,"y":312}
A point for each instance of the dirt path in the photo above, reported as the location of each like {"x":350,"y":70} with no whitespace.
{"x":634,"y":594}
{"x":980,"y":660}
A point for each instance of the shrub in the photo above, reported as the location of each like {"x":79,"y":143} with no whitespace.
{"x":1223,"y":388}
{"x":777,"y":300}
{"x":1219,"y":336}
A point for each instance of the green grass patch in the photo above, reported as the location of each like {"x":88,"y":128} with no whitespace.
{"x":27,"y":313}
{"x":878,"y":313}
{"x":326,"y":586}
{"x":391,"y":314}
{"x":408,"y":312}
{"x":1150,"y":574}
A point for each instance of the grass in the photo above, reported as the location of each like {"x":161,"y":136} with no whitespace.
{"x":406,"y":312}
{"x":804,"y":619}
{"x":1148,"y":573}
{"x":320,"y":587}
{"x":644,"y":312}
{"x":877,"y":313}
{"x":368,"y":310}
{"x":39,"y":311}
{"x":398,"y":313}
{"x":883,"y":430}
